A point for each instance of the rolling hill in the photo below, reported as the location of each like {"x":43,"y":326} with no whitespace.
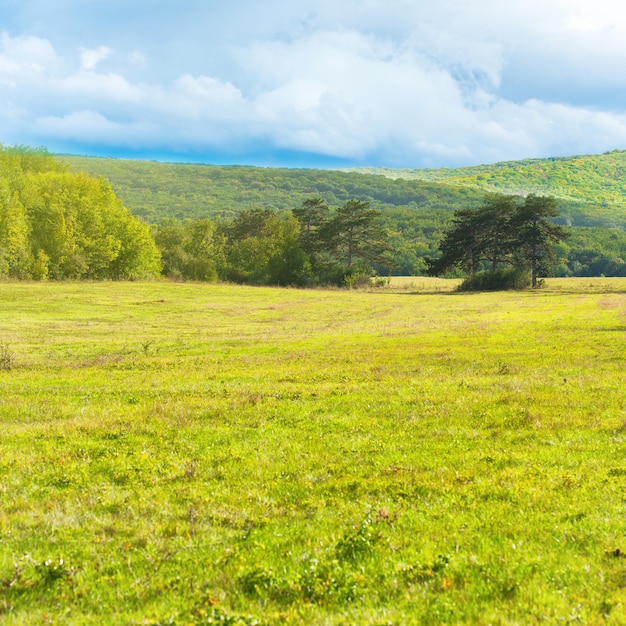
{"x":160,"y":191}
{"x":591,"y":189}
{"x":414,"y":204}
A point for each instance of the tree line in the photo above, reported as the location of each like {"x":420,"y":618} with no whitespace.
{"x":59,"y":224}
{"x":313,"y":245}
{"x":63,"y":225}
{"x":414,"y":212}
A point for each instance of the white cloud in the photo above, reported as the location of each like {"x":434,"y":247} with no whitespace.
{"x":348,"y":95}
{"x":207,"y":91}
{"x":398,"y":82}
{"x":99,"y":88}
{"x":89,"y":58}
{"x":82,"y":126}
{"x":25,"y":56}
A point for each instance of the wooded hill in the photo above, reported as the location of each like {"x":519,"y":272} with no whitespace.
{"x":160,"y":191}
{"x":412,"y":212}
{"x":591,"y":189}
{"x":415,"y":205}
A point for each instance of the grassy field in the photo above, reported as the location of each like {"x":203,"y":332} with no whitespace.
{"x":194,"y":454}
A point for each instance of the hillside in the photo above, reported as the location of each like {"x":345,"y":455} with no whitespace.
{"x":592,"y":189}
{"x":159,"y":191}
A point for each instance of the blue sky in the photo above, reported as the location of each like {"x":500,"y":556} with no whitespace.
{"x":315,"y":83}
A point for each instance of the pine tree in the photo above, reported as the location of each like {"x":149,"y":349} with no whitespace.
{"x":535,"y":234}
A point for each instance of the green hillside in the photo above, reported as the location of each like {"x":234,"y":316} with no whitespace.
{"x":413,"y":212}
{"x":592,"y":189}
{"x":158,"y":191}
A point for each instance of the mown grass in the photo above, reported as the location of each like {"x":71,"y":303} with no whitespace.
{"x":197,"y":454}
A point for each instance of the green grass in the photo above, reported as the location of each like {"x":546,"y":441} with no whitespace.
{"x":200,"y":454}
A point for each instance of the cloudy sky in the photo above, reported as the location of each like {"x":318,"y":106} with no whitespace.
{"x":315,"y":83}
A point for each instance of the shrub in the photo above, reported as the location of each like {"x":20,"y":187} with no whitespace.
{"x":497,"y":280}
{"x":357,"y":280}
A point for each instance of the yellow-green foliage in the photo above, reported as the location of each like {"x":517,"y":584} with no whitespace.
{"x":201,"y":454}
{"x":58,"y":224}
{"x":590,"y":188}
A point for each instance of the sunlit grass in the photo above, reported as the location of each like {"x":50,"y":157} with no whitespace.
{"x":193,"y":454}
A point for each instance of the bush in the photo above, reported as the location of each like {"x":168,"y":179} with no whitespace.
{"x":357,"y":280}
{"x":497,"y":280}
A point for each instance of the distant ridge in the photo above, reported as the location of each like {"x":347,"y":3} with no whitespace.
{"x":591,"y":188}
{"x":595,"y":180}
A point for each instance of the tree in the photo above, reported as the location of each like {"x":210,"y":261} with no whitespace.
{"x":494,"y":223}
{"x":205,"y":247}
{"x":312,"y":216}
{"x":354,"y":235}
{"x":535,"y":234}
{"x":262,"y":248}
{"x":138,"y":256}
{"x":170,"y":240}
{"x":16,"y":259}
{"x":503,"y":230}
{"x":289,"y":264}
{"x":84,"y":231}
{"x":459,"y":246}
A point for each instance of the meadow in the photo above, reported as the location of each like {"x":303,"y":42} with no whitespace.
{"x":190,"y":454}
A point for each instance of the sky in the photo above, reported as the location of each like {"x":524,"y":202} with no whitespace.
{"x":315,"y":83}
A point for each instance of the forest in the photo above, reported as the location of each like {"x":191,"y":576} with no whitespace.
{"x":591,"y":189}
{"x":66,"y":217}
{"x":415,"y":207}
